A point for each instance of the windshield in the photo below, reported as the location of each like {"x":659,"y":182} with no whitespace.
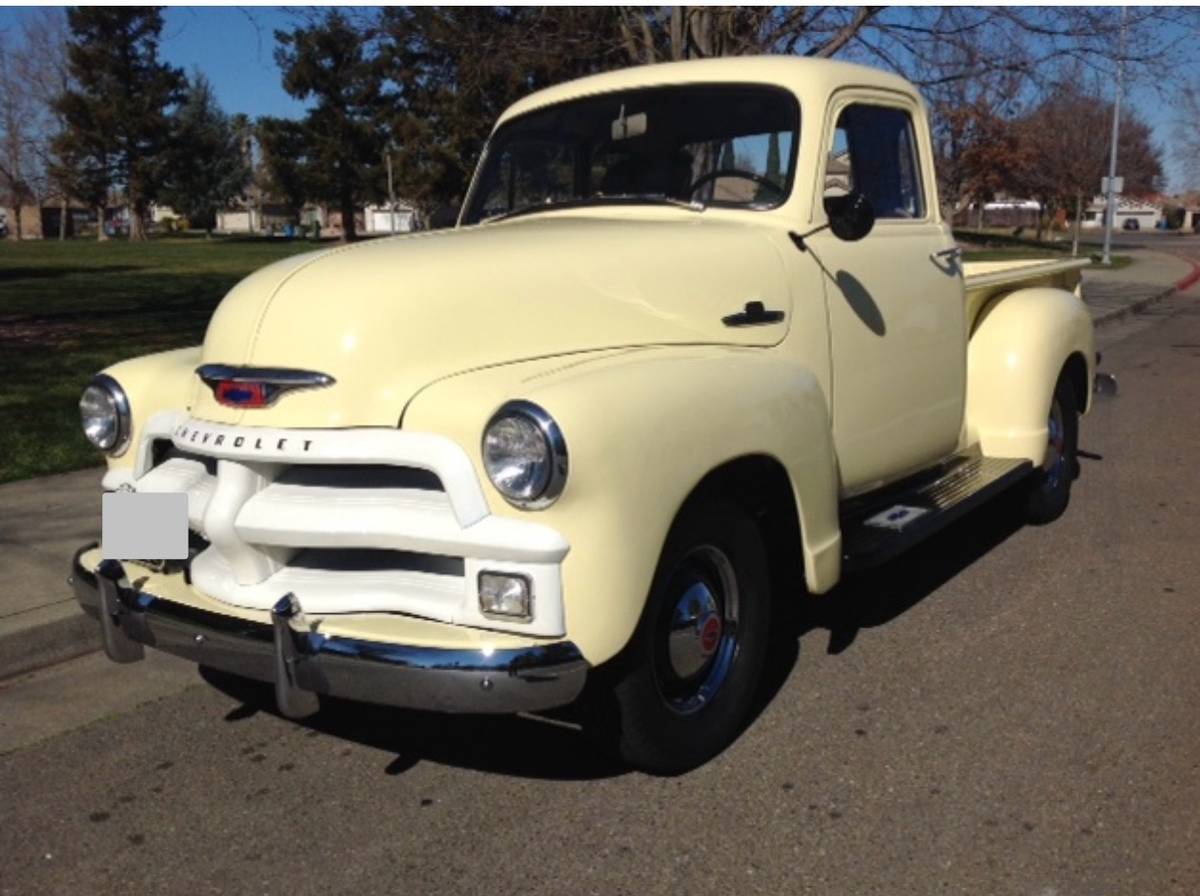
{"x":704,"y":144}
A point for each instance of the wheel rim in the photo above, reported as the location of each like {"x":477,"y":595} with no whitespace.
{"x":697,"y":639}
{"x":1056,"y":449}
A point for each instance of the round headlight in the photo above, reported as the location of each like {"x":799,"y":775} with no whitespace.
{"x":104,"y":413}
{"x":525,"y":455}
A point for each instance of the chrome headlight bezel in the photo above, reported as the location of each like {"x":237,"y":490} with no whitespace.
{"x":551,"y":485}
{"x":119,"y":402}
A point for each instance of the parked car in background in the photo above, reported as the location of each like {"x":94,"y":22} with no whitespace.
{"x":1131,"y":224}
{"x":681,"y":337}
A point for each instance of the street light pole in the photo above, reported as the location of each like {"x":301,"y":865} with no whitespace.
{"x":1111,"y":203}
{"x":391,"y":194}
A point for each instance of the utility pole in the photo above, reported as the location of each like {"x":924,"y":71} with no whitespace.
{"x":1111,"y":204}
{"x":391,"y":194}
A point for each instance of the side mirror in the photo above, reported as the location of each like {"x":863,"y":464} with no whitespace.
{"x":851,"y":216}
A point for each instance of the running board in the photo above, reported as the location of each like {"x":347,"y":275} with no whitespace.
{"x":877,"y":528}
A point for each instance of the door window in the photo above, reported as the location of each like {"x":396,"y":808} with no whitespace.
{"x":874,"y":151}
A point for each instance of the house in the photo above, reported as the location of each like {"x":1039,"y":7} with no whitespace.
{"x":1146,"y":212}
{"x":1006,"y":212}
{"x":268,"y":218}
{"x":271,"y":218}
{"x":42,"y":221}
{"x":161,"y":213}
{"x":399,"y":218}
{"x":24,"y":223}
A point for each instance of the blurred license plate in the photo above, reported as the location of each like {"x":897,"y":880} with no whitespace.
{"x":144,"y":526}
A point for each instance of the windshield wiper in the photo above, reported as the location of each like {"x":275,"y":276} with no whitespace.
{"x":611,"y":199}
{"x":694,"y":205}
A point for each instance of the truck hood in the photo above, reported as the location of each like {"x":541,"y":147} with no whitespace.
{"x":386,"y":318}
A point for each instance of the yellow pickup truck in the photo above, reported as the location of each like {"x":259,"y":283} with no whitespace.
{"x":694,"y":317}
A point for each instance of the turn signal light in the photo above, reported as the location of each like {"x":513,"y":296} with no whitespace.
{"x":505,"y":596}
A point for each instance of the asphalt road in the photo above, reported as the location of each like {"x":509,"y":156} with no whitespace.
{"x":1007,"y":710}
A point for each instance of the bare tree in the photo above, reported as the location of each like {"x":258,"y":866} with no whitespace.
{"x":45,"y":36}
{"x":19,"y":170}
{"x":932,"y":45}
{"x":1067,"y":138}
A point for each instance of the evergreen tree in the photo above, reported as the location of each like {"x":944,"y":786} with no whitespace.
{"x":116,"y":118}
{"x":332,"y":64}
{"x":281,"y":143}
{"x":207,"y":164}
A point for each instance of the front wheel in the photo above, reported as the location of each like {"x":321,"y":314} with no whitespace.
{"x":685,"y":684}
{"x":1050,"y":487}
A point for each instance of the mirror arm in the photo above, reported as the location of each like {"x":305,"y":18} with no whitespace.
{"x":799,"y":238}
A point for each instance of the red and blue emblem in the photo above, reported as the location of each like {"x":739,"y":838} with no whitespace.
{"x":257,"y":387}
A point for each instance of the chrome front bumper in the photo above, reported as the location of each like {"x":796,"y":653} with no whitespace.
{"x":302,"y":663}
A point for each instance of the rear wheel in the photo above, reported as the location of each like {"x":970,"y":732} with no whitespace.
{"x":684,"y":686}
{"x":1050,"y":487}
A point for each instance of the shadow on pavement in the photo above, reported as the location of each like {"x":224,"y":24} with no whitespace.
{"x":555,"y":747}
{"x":875,"y":598}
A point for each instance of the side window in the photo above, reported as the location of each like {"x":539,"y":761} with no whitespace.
{"x":874,"y":151}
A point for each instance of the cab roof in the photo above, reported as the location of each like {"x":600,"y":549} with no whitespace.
{"x":811,"y":80}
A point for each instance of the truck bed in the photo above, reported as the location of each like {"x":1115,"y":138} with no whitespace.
{"x":985,"y":279}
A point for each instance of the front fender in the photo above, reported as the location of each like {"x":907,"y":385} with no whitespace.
{"x":1020,"y":345}
{"x":159,"y":382}
{"x":643,"y":427}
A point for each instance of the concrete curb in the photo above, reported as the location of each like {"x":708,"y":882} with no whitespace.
{"x":44,"y":637}
{"x":1142,"y":304}
{"x":1113,"y":314}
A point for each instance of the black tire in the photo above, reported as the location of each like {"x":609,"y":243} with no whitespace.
{"x":658,"y":721}
{"x":1049,"y":489}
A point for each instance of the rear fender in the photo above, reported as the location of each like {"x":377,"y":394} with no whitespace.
{"x":1020,"y":345}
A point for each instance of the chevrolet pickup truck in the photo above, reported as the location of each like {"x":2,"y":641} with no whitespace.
{"x":695,"y":319}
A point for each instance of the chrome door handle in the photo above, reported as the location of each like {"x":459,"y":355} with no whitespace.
{"x":954,"y":254}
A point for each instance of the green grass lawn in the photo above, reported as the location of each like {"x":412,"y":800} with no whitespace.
{"x":70,"y":309}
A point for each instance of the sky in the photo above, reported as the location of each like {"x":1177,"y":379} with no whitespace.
{"x":235,"y":47}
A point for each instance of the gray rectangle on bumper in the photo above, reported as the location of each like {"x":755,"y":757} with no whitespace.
{"x":445,"y":680}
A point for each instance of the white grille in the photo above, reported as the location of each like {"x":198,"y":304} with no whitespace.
{"x":351,"y":521}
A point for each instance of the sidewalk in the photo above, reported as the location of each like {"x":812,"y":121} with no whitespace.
{"x":43,"y":521}
{"x":1110,"y":294}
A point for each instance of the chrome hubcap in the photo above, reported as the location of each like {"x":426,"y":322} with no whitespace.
{"x":696,"y":629}
{"x":1052,"y":466}
{"x":699,"y":635}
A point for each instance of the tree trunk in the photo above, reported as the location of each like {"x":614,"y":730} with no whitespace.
{"x":207,"y":232}
{"x":101,"y":236}
{"x":701,"y":28}
{"x":678,"y":32}
{"x":17,"y":219}
{"x":64,"y":210}
{"x":1041,"y":219}
{"x":349,"y":231}
{"x":137,"y":224}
